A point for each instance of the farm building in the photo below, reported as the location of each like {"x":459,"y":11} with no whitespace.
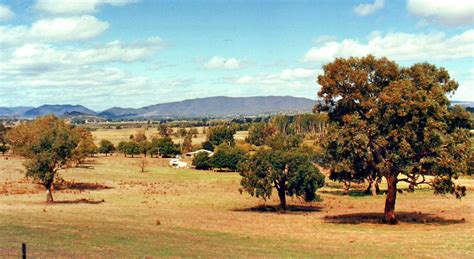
{"x":192,"y":154}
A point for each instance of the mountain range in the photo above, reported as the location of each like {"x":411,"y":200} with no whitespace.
{"x":218,"y":106}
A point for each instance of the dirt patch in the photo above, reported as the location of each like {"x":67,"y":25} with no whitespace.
{"x":20,"y":186}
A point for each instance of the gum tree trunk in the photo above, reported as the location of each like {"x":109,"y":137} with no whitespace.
{"x":389,"y":216}
{"x":49,"y":193}
{"x":281,"y":194}
{"x":374,"y":187}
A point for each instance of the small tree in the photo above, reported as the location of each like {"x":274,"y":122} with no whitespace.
{"x":181,"y":133}
{"x":187,"y":143}
{"x":106,"y":147}
{"x":194,"y":132}
{"x":144,"y":147}
{"x":165,"y":131}
{"x":289,"y":172}
{"x":143,"y":163}
{"x":202,"y":161}
{"x":153,"y":147}
{"x":140,"y":137}
{"x":48,"y":143}
{"x":132,"y":148}
{"x":122,"y":146}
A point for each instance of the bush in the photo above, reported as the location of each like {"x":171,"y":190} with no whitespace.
{"x":202,"y":161}
{"x":227,"y":157}
{"x":207,"y":146}
{"x":4,"y":149}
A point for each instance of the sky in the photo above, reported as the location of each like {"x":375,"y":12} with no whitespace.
{"x":134,"y":53}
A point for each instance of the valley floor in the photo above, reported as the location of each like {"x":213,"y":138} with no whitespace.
{"x":107,"y":208}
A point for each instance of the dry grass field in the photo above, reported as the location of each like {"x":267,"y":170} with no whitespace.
{"x":107,"y":208}
{"x":117,"y":135}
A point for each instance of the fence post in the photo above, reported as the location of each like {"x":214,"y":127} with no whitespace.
{"x":23,"y":250}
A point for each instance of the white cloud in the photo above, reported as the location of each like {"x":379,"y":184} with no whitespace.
{"x":244,"y":80}
{"x":297,"y":73}
{"x":366,"y":9}
{"x":53,"y":30}
{"x":218,"y":62}
{"x":38,"y":58}
{"x":5,"y":13}
{"x":71,"y":28}
{"x":94,"y":86}
{"x":290,"y":77}
{"x":399,"y":46}
{"x":76,"y":6}
{"x":323,"y":38}
{"x":446,"y":12}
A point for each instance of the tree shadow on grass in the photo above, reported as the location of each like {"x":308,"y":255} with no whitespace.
{"x":403,"y":217}
{"x":64,"y":185}
{"x":352,"y":193}
{"x":76,"y":201}
{"x":291,"y":209}
{"x":358,"y":192}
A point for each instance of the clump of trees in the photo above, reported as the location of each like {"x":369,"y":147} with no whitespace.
{"x":139,"y":144}
{"x":129,"y":148}
{"x":166,"y":147}
{"x":396,"y":123}
{"x":290,"y":172}
{"x":221,"y":134}
{"x":49,"y":144}
{"x":226,"y":157}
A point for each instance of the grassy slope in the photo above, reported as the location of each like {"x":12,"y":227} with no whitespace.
{"x":203,"y":214}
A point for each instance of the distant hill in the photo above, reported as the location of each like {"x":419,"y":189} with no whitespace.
{"x":14,"y":111}
{"x":463,"y":103}
{"x":5,"y":111}
{"x":57,"y":110}
{"x":215,"y":106}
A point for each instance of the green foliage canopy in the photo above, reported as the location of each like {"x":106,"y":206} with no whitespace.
{"x":289,"y":172}
{"x":395,"y":123}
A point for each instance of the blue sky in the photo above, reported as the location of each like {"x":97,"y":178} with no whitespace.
{"x":133,"y":53}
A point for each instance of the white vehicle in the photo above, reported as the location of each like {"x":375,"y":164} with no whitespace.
{"x":176,"y":163}
{"x":182,"y":164}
